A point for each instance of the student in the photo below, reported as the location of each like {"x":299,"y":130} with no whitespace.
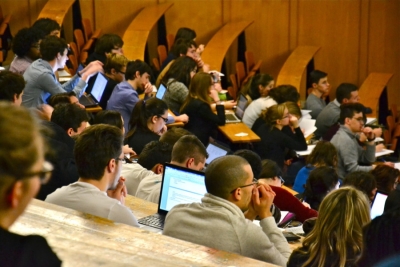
{"x":23,"y":170}
{"x":48,"y":26}
{"x":319,"y":88}
{"x":105,"y":45}
{"x":100,"y":190}
{"x":126,"y":94}
{"x":323,"y":154}
{"x":147,"y":123}
{"x":203,"y":122}
{"x":181,"y":47}
{"x":232,"y":201}
{"x":188,"y":152}
{"x":11,"y":87}
{"x":64,"y":98}
{"x":336,"y":239}
{"x":273,"y":140}
{"x":40,"y":77}
{"x":26,"y":47}
{"x":387,"y":178}
{"x":258,"y":86}
{"x":363,"y":181}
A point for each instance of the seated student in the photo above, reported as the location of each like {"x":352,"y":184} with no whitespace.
{"x":23,"y":169}
{"x":203,"y":121}
{"x":393,"y":200}
{"x":363,"y":181}
{"x":336,"y":239}
{"x":188,"y":152}
{"x":11,"y":87}
{"x":126,"y":94}
{"x":106,"y":44}
{"x":26,"y":47}
{"x":321,"y":181}
{"x":100,"y":190}
{"x":387,"y":178}
{"x":320,"y":87}
{"x":66,"y":123}
{"x":147,"y":123}
{"x":64,"y":98}
{"x":40,"y":76}
{"x":278,"y":95}
{"x":227,"y":210}
{"x":271,"y":175}
{"x":48,"y":26}
{"x":181,"y":47}
{"x":324,"y":154}
{"x":273,"y":140}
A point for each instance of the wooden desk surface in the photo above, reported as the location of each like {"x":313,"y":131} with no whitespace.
{"x":216,"y":49}
{"x":56,"y":9}
{"x":231,"y":131}
{"x":94,"y":109}
{"x":135,"y":36}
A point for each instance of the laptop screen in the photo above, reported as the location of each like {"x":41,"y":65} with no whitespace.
{"x":241,"y":106}
{"x":161,"y":91}
{"x":180,"y":186}
{"x":215,"y":151}
{"x":98,"y":87}
{"x":378,"y":205}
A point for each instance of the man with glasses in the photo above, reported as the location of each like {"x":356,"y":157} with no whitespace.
{"x":22,"y":170}
{"x":223,"y":219}
{"x":100,"y":190}
{"x":350,"y":153}
{"x":107,"y":44}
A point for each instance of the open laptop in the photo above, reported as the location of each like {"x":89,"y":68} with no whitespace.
{"x":178,"y":186}
{"x":96,"y":90}
{"x":214,"y":151}
{"x":378,"y":205}
{"x":241,"y":106}
{"x":161,"y":91}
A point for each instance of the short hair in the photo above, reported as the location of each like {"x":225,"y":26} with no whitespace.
{"x":344,"y":91}
{"x":154,"y":153}
{"x":110,"y":117}
{"x":270,"y":169}
{"x":363,"y":181}
{"x":173,"y":135}
{"x":386,"y":177}
{"x":316,"y":75}
{"x":199,"y":89}
{"x":47,"y":25}
{"x":108,"y":42}
{"x":69,"y":116}
{"x":51,"y":46}
{"x":284,"y":93}
{"x":323,"y":154}
{"x":293,"y":109}
{"x":254,"y":83}
{"x":224,"y":174}
{"x":185,"y":33}
{"x":63,"y":98}
{"x":180,"y":70}
{"x":181,"y":46}
{"x":348,"y":110}
{"x":116,"y":62}
{"x":95,"y":147}
{"x":133,"y":66}
{"x":25,"y":39}
{"x":253,"y":159}
{"x":189,"y":146}
{"x":10,"y":84}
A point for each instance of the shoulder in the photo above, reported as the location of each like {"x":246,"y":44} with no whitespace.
{"x":297,"y":258}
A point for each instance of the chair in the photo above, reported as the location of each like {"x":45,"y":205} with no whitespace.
{"x":5,"y":19}
{"x":74,"y":49}
{"x":250,"y":62}
{"x":88,"y":46}
{"x":79,"y":39}
{"x":390,"y":124}
{"x":162,"y":53}
{"x":156,"y":64}
{"x":234,"y":88}
{"x":88,"y":30}
{"x":83,"y":56}
{"x":74,"y":62}
{"x":240,"y":73}
{"x":170,"y":41}
{"x":393,"y":109}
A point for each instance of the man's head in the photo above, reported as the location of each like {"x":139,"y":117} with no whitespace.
{"x":48,"y":26}
{"x":22,"y":165}
{"x":173,"y":135}
{"x":64,"y":98}
{"x":184,"y":47}
{"x":351,"y":116}
{"x":11,"y":87}
{"x":253,"y":159}
{"x":319,"y":81}
{"x":115,"y":67}
{"x":347,"y":93}
{"x":230,"y":178}
{"x":98,"y":153}
{"x":71,"y":118}
{"x":26,"y":43}
{"x":185,"y":33}
{"x":284,"y":93}
{"x":108,"y":44}
{"x":189,"y":152}
{"x":154,"y":155}
{"x":139,"y":72}
{"x":53,"y":48}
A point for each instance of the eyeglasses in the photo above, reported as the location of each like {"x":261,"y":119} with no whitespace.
{"x":255,"y":182}
{"x":121,"y":72}
{"x":359,"y":119}
{"x":164,"y":119}
{"x":37,"y":46}
{"x":282,"y":181}
{"x":44,"y":174}
{"x":287,"y":116}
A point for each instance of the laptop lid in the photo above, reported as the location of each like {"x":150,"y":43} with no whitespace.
{"x":378,"y":205}
{"x":180,"y":186}
{"x":161,"y":91}
{"x":241,"y":106}
{"x":99,"y":86}
{"x":215,"y":150}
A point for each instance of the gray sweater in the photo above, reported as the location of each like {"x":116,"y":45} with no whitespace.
{"x":220,"y":224}
{"x":314,"y":104}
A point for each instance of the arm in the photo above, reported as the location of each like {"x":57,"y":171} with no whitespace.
{"x":295,"y":142}
{"x":348,"y":153}
{"x":205,"y":112}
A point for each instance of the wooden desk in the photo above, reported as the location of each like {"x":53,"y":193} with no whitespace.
{"x":135,"y":36}
{"x":230,"y":130}
{"x":84,"y":240}
{"x":56,"y":9}
{"x":216,"y":49}
{"x":94,"y":109}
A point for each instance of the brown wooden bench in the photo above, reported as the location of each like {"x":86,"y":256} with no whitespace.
{"x":56,"y":9}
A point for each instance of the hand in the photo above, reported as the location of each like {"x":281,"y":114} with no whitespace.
{"x":91,"y":69}
{"x":305,"y":204}
{"x":217,"y":87}
{"x":288,"y":162}
{"x":45,"y":111}
{"x":214,"y":95}
{"x":362,"y":138}
{"x":182,"y":118}
{"x":390,"y":164}
{"x":127,"y":150}
{"x":230,"y":104}
{"x":120,"y":192}
{"x":148,"y":88}
{"x":379,"y":148}
{"x":206,"y":67}
{"x":163,"y":130}
{"x":368,"y":132}
{"x":294,"y":121}
{"x":200,"y":49}
{"x":377,"y":132}
{"x":262,"y":199}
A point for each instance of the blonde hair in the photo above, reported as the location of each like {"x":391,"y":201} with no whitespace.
{"x":199,"y":88}
{"x":115,"y":61}
{"x":338,"y":229}
{"x":273,"y":113}
{"x":293,"y":109}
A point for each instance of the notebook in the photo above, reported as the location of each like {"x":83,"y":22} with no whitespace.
{"x":96,"y":90}
{"x":215,"y":150}
{"x":178,"y":186}
{"x":378,"y":205}
{"x":241,"y":106}
{"x":161,"y":91}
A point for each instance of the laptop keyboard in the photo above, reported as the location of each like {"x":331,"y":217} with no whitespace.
{"x":230,"y":117}
{"x":86,"y":101}
{"x":155,"y":221}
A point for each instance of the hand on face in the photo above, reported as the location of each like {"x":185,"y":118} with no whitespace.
{"x":294,"y":121}
{"x":120,"y":192}
{"x":261,"y":200}
{"x":368,"y":132}
{"x":148,"y":88}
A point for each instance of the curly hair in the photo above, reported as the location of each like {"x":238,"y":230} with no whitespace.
{"x":25,"y":39}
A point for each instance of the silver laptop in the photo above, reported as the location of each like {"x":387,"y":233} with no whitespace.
{"x":241,"y":106}
{"x":214,"y":151}
{"x":378,"y":205}
{"x":178,"y":186}
{"x":96,"y":90}
{"x":161,"y":91}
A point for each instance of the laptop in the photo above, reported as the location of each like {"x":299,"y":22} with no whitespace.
{"x":378,"y":205}
{"x":178,"y":186}
{"x":241,"y":106}
{"x":214,"y":151}
{"x":161,"y":91}
{"x":96,"y":90}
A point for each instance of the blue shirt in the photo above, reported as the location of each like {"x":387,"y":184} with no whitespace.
{"x":301,"y":178}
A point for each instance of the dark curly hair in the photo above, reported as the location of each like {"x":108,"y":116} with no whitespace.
{"x":24,"y":40}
